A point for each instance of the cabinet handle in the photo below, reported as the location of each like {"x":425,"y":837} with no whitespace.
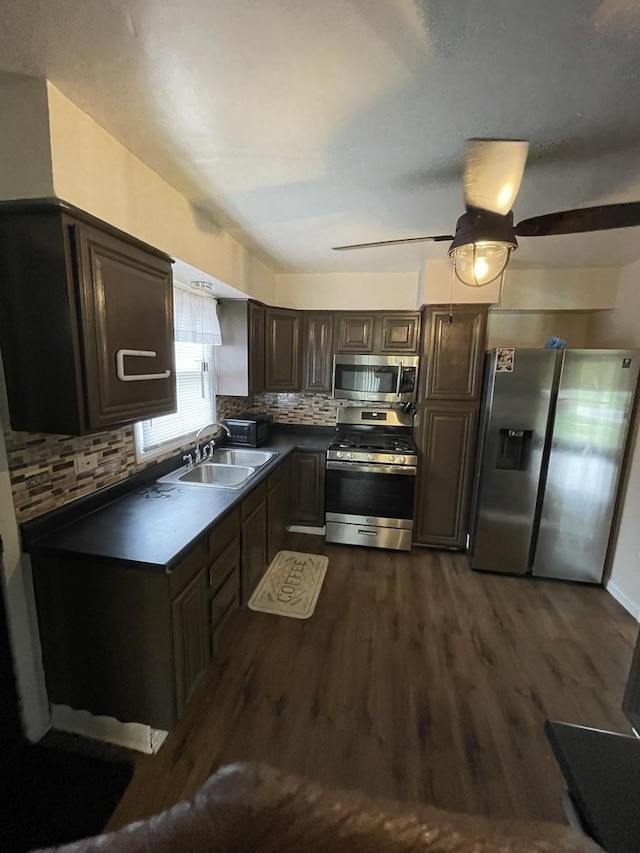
{"x":362,"y":532}
{"x":137,"y":377}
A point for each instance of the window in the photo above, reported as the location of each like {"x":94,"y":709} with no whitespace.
{"x":197,"y":333}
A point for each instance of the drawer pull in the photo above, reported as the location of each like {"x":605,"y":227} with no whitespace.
{"x":367,"y":532}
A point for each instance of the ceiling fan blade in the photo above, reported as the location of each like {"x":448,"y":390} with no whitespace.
{"x":493,"y":170}
{"x":439,"y":238}
{"x":603,"y":218}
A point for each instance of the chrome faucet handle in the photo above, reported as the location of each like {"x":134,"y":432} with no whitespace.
{"x":198,"y":455}
{"x":207,"y":453}
{"x":188,"y":458}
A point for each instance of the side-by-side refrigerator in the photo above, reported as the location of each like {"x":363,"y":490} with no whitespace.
{"x":553,"y":431}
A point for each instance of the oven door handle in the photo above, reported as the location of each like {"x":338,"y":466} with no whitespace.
{"x":403,"y":470}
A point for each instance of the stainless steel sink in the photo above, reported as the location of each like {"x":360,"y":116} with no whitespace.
{"x":221,"y":476}
{"x":254,"y":458}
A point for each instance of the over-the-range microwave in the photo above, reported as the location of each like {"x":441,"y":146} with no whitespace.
{"x":380,"y":378}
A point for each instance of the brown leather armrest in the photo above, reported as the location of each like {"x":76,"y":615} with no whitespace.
{"x":251,"y":807}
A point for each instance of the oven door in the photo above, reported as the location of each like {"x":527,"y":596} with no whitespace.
{"x":370,"y":494}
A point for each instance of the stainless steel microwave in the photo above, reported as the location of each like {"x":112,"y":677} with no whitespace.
{"x":382,"y":378}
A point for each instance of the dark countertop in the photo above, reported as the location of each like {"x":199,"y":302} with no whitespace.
{"x":602,"y":772}
{"x":155,"y":524}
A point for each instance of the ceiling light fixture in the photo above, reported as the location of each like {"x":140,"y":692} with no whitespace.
{"x":482,"y":246}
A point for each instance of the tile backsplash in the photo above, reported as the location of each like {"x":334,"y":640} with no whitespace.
{"x":42,"y":467}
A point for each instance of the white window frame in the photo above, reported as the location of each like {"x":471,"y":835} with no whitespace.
{"x":181,"y":442}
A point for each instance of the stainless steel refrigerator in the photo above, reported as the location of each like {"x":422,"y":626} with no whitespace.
{"x":553,"y":431}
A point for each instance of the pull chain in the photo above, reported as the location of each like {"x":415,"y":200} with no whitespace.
{"x":453,"y":278}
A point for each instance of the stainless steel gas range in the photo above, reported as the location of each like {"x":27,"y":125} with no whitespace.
{"x":371,"y":474}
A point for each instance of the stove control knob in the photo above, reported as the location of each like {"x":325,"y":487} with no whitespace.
{"x":370,"y":457}
{"x":402,"y":460}
{"x":392,"y":459}
{"x":339,"y":454}
{"x":349,"y":455}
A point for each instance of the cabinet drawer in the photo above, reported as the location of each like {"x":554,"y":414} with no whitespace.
{"x":226,"y":600}
{"x":227,"y":562}
{"x":187,"y":568}
{"x":253,"y":501}
{"x":222,"y":534}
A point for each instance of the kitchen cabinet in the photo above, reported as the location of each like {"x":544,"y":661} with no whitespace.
{"x":278,"y":508}
{"x":454,"y":352}
{"x":190,"y":638}
{"x":446,"y":443}
{"x":354,"y":332}
{"x":282,"y":350}
{"x":398,"y":333}
{"x":383,"y":333}
{"x":308,"y":488}
{"x":135,"y":644}
{"x":253,"y":514}
{"x":318,"y":352}
{"x":86,"y":322}
{"x":448,"y":404}
{"x":256,"y":342}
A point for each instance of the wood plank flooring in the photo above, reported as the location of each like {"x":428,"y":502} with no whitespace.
{"x":416,"y":679}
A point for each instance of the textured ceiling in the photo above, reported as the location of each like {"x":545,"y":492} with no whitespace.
{"x":304,"y":124}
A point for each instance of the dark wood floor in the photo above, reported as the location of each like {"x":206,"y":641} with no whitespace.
{"x":415,"y":679}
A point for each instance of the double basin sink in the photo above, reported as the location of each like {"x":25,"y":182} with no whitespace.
{"x":226,"y":469}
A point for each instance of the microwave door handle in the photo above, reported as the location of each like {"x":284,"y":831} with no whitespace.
{"x":398,"y":392}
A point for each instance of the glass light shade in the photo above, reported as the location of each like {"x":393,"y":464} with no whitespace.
{"x":477,"y":264}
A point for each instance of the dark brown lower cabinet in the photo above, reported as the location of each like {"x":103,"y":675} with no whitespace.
{"x":307,"y":490}
{"x":447,"y":448}
{"x":254,"y":544}
{"x":224,"y":582}
{"x":190,"y":637}
{"x":277,"y":510}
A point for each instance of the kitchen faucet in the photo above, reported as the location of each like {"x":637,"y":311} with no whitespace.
{"x":201,"y":456}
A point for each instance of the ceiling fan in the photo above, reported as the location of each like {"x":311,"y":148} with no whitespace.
{"x":486,"y":235}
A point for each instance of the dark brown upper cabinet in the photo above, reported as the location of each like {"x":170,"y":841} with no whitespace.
{"x":354,"y":332}
{"x":282,"y":350}
{"x":454,"y":350}
{"x":383,"y":332}
{"x":399,"y":333}
{"x":255,"y":319}
{"x":317,"y":352}
{"x":86,"y":322}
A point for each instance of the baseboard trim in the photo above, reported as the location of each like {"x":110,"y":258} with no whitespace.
{"x":315,"y":531}
{"x":136,"y":736}
{"x":629,"y":605}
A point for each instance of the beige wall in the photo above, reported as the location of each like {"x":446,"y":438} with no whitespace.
{"x":532,"y":328}
{"x":93,"y":171}
{"x":621,"y":328}
{"x":348,"y":291}
{"x":25,"y":155}
{"x":588,"y":289}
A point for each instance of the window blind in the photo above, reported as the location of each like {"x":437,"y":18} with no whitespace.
{"x":197,"y":332}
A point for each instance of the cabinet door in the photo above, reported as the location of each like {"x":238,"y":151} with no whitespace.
{"x":308,"y":488}
{"x":126,"y":304}
{"x":318,"y":352}
{"x":282,"y":357}
{"x":447,"y":447}
{"x":454,"y":352}
{"x":354,"y":332}
{"x":255,"y":319}
{"x":254,"y":550}
{"x":277,"y":518}
{"x":190,"y":637}
{"x":399,"y":333}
